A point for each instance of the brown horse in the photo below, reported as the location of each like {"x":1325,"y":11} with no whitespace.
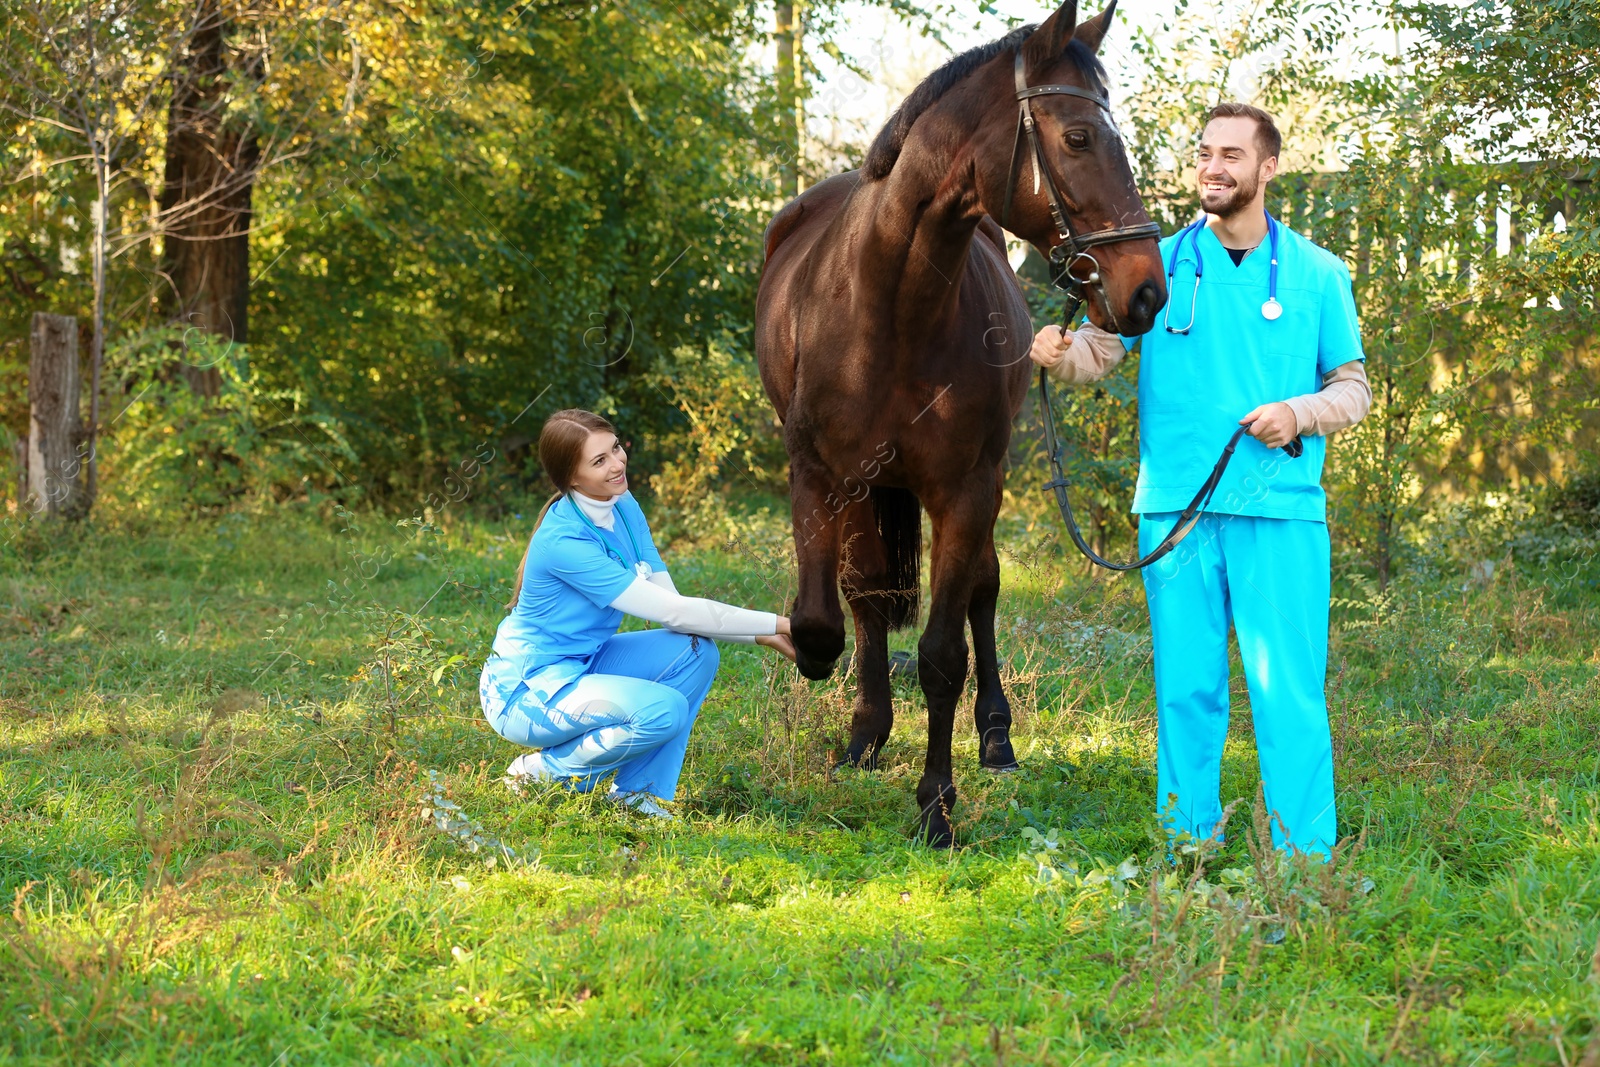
{"x":892,"y":338}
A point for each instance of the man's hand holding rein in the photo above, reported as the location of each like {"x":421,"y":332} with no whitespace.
{"x":1274,"y":424}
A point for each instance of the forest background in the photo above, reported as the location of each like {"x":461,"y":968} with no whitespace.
{"x":355,"y":252}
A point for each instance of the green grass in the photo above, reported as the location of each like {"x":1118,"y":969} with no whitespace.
{"x":215,"y":740}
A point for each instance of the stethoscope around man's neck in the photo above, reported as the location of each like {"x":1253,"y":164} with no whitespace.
{"x":1270,"y":310}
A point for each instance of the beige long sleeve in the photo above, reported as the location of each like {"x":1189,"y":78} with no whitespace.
{"x":1344,"y":400}
{"x":1091,"y":356}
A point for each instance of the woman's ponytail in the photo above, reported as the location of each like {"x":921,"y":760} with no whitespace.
{"x":561,"y":444}
{"x":516,"y":586}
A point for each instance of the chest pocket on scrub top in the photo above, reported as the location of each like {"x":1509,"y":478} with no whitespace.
{"x":1292,"y":343}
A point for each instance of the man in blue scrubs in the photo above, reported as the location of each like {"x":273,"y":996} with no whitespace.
{"x":1260,"y":328}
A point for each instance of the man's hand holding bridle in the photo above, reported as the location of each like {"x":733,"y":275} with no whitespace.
{"x":1275,"y":424}
{"x":1050,"y":346}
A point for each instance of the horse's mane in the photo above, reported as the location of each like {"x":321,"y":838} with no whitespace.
{"x":892,"y":138}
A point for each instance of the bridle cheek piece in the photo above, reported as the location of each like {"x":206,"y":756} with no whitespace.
{"x":1070,"y":255}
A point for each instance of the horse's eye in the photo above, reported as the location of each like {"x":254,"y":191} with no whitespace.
{"x":1077,"y":139}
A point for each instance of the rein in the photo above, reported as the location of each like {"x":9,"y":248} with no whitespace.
{"x":1058,"y":482}
{"x":1065,"y":256}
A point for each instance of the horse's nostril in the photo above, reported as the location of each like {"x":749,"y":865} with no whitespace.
{"x":1142,"y":308}
{"x":1145,"y":298}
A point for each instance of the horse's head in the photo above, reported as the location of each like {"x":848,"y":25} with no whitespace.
{"x":1085,"y":161}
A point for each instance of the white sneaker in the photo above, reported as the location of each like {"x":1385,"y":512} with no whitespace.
{"x":641,"y":802}
{"x":526,"y":768}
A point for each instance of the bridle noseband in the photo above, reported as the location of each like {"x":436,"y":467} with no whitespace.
{"x":1072,"y":249}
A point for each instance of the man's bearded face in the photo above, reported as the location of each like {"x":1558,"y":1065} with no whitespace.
{"x":1228,"y":166}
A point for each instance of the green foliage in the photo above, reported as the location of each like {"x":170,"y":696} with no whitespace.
{"x":1514,"y":76}
{"x":176,"y":450}
{"x":86,"y":92}
{"x":728,"y":438}
{"x":469,"y":221}
{"x":541,"y":231}
{"x":1481,"y":364}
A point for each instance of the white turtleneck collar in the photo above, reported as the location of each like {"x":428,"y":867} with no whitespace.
{"x":600,"y":512}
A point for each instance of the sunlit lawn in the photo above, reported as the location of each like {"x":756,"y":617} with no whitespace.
{"x":215,"y":742}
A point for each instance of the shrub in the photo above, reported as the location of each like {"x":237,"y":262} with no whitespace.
{"x":172,"y":448}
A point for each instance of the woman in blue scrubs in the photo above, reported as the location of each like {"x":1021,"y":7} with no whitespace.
{"x":561,"y":680}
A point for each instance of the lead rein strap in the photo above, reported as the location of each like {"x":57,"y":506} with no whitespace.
{"x":1186,"y":521}
{"x":1190,"y":516}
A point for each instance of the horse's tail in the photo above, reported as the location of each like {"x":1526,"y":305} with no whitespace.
{"x":899,"y":517}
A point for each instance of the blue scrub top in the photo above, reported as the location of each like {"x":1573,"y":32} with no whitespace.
{"x":1194,"y":388}
{"x":563,"y":614}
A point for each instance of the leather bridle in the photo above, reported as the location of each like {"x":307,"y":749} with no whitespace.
{"x":1071,"y":251}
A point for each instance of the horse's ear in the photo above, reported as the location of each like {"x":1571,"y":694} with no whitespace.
{"x":1045,"y":44}
{"x":1093,"y":31}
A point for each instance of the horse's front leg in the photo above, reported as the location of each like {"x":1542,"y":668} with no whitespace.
{"x":961,"y":527}
{"x":866,"y":583}
{"x":816,"y":623}
{"x":992,"y":710}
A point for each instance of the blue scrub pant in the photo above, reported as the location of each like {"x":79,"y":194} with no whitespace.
{"x":1270,"y":579}
{"x":630,"y":713}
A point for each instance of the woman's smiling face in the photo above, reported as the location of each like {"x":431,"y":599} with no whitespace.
{"x":603,"y":471}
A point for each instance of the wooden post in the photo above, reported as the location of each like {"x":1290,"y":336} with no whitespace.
{"x":54,"y":427}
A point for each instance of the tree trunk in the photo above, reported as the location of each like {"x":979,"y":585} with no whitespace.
{"x":54,"y":428}
{"x":97,"y":329}
{"x":205,"y":200}
{"x":1388,"y":494}
{"x":787,"y":31}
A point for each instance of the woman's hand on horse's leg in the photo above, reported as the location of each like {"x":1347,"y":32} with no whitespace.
{"x":783,"y":626}
{"x":779,"y":643}
{"x":1050,"y":346}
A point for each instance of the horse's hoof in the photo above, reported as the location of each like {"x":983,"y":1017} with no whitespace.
{"x":936,"y":833}
{"x":863,"y":759}
{"x":817,"y":648}
{"x":815,"y":670}
{"x":995,"y":752}
{"x":1009,"y":768}
{"x":937,"y":803}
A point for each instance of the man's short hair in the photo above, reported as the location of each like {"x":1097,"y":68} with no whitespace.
{"x":1268,"y":140}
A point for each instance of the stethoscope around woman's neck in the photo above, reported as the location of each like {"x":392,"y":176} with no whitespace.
{"x":640,"y":567}
{"x":1270,"y":309}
